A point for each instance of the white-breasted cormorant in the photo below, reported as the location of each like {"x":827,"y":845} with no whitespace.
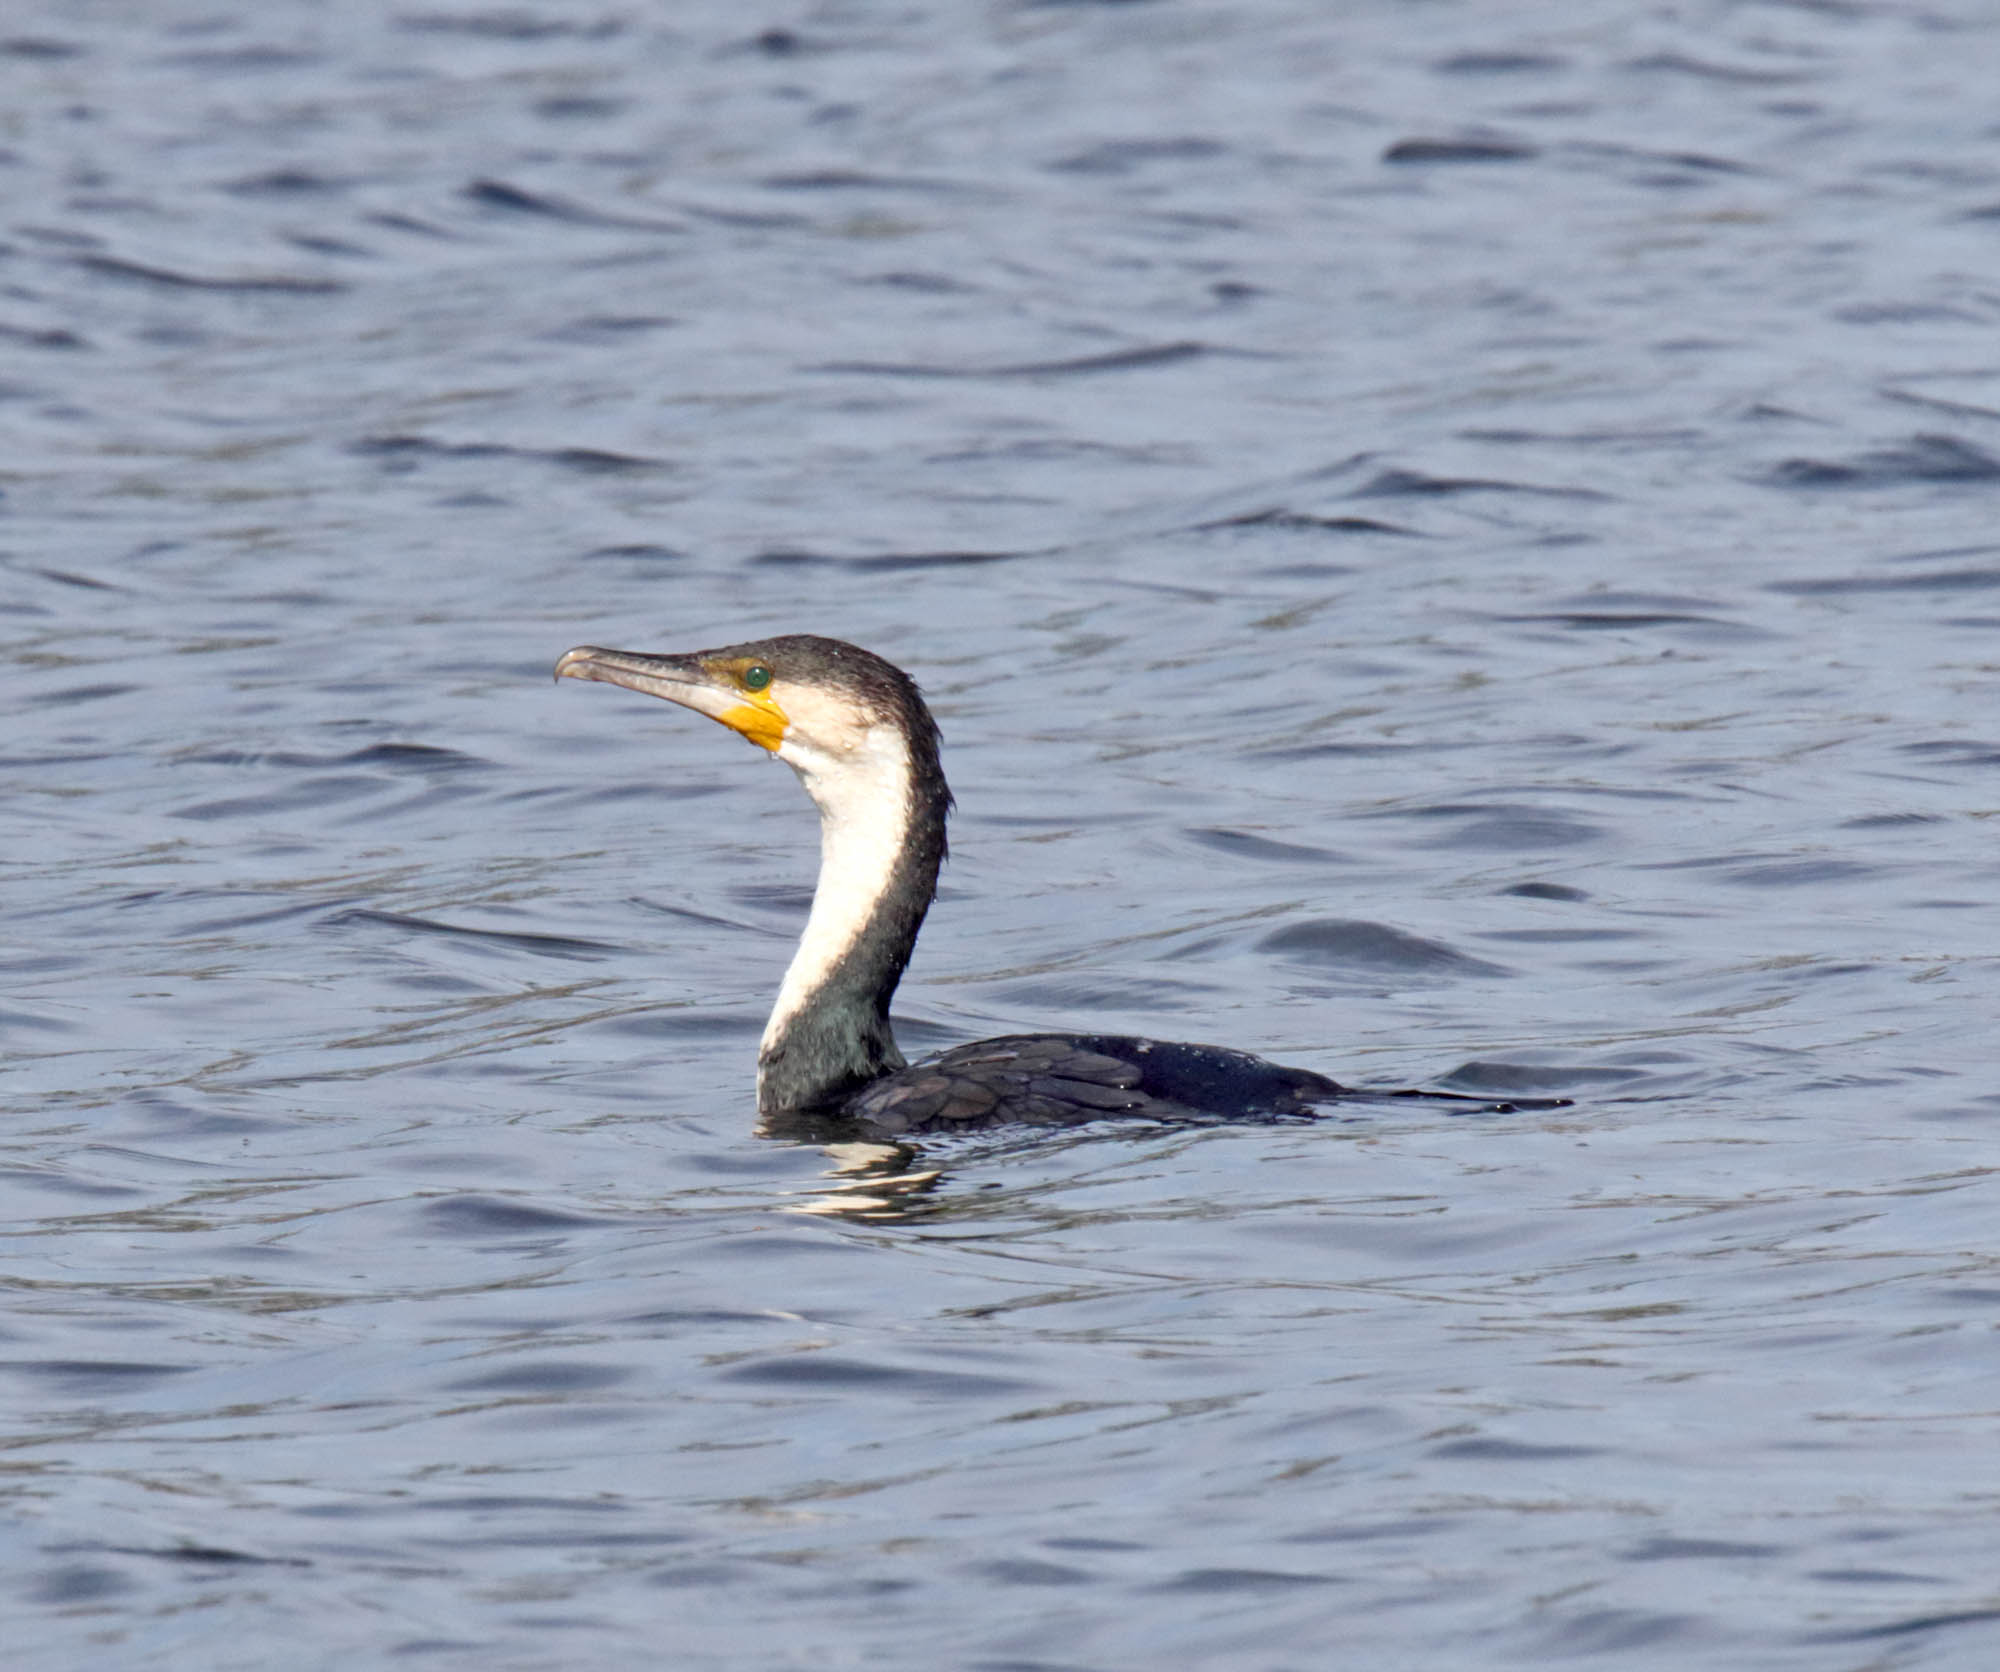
{"x":857,"y":732}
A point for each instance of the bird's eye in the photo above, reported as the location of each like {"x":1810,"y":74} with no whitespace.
{"x":756,"y":676}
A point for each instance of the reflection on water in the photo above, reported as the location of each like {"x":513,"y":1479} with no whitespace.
{"x":1451,"y":546}
{"x":873,"y":1181}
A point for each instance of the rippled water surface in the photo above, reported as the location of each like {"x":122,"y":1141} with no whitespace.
{"x":1452,"y":544}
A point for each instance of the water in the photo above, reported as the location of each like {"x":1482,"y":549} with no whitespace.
{"x":1451,"y":545}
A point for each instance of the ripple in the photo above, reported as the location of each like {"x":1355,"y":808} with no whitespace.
{"x":1139,"y":358}
{"x":555,"y":1376}
{"x":1352,"y":944}
{"x":1240,"y":844}
{"x":1620,"y":1631}
{"x":181,"y":278}
{"x":92,"y":1378}
{"x":812,"y":1372}
{"x":1923,"y":458}
{"x":1489,"y":1450}
{"x":1436,"y":151}
{"x":1486,"y":1076}
{"x":484,"y":1216}
{"x":1241,"y":1582}
{"x":500,"y":195}
{"x":544,"y":946}
{"x":1415,"y":484}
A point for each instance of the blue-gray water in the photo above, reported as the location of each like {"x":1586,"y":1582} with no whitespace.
{"x":1452,"y":543}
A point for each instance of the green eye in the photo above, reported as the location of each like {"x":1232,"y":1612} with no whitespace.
{"x":756,"y":676}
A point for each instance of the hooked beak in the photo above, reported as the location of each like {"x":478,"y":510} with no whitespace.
{"x":686,"y":680}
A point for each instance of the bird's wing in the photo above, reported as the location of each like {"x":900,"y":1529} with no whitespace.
{"x":1035,"y":1080}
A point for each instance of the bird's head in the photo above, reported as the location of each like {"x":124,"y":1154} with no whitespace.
{"x":827,"y":708}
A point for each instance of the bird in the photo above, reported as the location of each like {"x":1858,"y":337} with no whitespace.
{"x":857,"y":731}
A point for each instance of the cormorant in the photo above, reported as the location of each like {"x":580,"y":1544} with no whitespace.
{"x":857,"y":732}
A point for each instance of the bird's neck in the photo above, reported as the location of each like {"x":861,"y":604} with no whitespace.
{"x":882,"y":815}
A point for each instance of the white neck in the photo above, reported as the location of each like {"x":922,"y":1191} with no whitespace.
{"x":865,"y":805}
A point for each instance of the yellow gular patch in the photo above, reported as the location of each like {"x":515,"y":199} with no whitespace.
{"x":759,"y":718}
